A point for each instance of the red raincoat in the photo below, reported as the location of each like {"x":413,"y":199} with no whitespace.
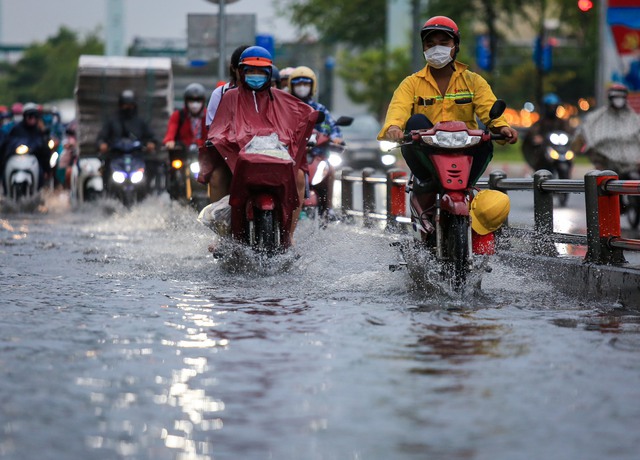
{"x":243,"y":114}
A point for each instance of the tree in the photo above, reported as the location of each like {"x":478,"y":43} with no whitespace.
{"x":359,"y":23}
{"x":47,"y":71}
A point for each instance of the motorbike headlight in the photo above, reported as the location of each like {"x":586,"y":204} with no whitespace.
{"x":559,"y":138}
{"x":176,"y":164}
{"x":195,"y":167}
{"x":553,"y":154}
{"x":335,"y":160}
{"x":388,"y":159}
{"x":51,"y":144}
{"x":137,"y":176}
{"x":451,"y":140}
{"x":569,"y":155}
{"x":385,"y":146}
{"x":53,"y":160}
{"x":22,"y":149}
{"x":118,"y":177}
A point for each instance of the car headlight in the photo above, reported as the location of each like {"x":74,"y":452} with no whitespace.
{"x":137,"y":176}
{"x":118,"y":177}
{"x":451,"y":140}
{"x":385,"y":146}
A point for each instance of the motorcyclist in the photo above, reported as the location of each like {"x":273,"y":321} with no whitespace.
{"x":31,"y":130}
{"x":250,"y":109}
{"x":610,"y":135}
{"x":216,"y":95}
{"x":533,"y":144}
{"x":187,"y":125}
{"x":126,"y":124}
{"x":303,"y":83}
{"x":443,"y":90}
{"x":284,"y":78}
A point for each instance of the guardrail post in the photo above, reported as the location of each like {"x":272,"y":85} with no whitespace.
{"x":543,"y":215}
{"x":346,"y":192}
{"x":396,"y":200}
{"x":603,"y":218}
{"x":368,"y":196}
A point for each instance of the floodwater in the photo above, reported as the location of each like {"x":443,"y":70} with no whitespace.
{"x":122,"y":338}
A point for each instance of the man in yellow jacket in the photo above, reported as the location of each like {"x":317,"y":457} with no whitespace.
{"x":444,"y":90}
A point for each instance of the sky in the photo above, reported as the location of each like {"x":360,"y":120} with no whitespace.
{"x":27,"y":21}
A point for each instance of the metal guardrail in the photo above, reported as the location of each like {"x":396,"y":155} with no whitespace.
{"x":601,"y":188}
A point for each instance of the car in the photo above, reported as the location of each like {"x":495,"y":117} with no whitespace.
{"x":363,"y":149}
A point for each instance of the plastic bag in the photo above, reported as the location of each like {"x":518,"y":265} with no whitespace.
{"x":268,"y":145}
{"x":217,"y":216}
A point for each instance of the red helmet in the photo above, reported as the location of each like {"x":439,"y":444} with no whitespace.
{"x":617,"y":89}
{"x":443,"y":24}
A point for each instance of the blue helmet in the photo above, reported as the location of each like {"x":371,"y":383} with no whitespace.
{"x":256,"y":56}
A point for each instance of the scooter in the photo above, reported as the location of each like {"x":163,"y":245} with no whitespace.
{"x":263,"y":196}
{"x":441,"y":221}
{"x":323,"y":157}
{"x":126,"y":179}
{"x":22,"y":172}
{"x":182,"y":180}
{"x":86,"y":181}
{"x":559,"y":158}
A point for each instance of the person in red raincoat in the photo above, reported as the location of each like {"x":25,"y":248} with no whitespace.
{"x":254,"y":108}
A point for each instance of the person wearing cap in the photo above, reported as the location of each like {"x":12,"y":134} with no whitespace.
{"x":533,"y":143}
{"x":443,"y":90}
{"x":30,"y":130}
{"x":610,"y":135}
{"x":254,"y":108}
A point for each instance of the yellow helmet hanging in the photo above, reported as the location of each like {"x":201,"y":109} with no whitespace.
{"x":489,"y":210}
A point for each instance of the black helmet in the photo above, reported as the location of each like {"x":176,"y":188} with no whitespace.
{"x":127,"y":97}
{"x":194,"y":92}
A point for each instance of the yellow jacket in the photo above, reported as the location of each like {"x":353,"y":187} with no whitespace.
{"x":468,"y":95}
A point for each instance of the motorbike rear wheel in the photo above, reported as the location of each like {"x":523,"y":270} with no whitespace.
{"x":456,"y":245}
{"x":267,"y":232}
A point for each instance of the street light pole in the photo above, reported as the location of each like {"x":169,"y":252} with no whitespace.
{"x":221,"y":40}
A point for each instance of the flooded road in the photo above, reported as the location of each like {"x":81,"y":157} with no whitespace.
{"x":121,"y":338}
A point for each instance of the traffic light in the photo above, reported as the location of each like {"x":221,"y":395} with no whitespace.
{"x":585,"y":5}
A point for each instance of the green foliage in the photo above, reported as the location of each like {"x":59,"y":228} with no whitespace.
{"x":47,"y":71}
{"x":372,"y":75}
{"x":359,"y":23}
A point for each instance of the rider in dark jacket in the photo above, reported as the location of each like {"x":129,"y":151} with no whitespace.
{"x":125,"y":125}
{"x":31,"y":131}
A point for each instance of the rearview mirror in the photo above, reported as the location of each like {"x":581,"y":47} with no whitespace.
{"x":344,"y":121}
{"x":498,"y":108}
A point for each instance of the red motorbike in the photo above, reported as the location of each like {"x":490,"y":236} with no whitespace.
{"x":263,"y":196}
{"x":323,"y":157}
{"x":441,"y":220}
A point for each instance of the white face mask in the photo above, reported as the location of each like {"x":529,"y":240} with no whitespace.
{"x":618,"y":102}
{"x":438,"y":56}
{"x":195,"y":106}
{"x":302,"y":91}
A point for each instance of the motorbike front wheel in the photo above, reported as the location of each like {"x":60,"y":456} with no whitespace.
{"x":457,"y":250}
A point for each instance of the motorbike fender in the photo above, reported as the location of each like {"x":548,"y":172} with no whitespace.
{"x":453,"y":170}
{"x":455,"y":203}
{"x":265,"y":202}
{"x":21,"y":176}
{"x":95,"y":183}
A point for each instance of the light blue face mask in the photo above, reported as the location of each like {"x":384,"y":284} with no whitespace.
{"x":255,"y":81}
